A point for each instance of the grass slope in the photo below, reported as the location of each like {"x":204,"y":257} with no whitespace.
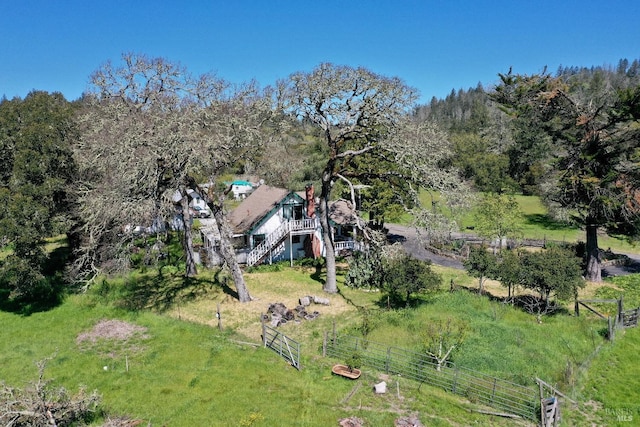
{"x":187,"y":372}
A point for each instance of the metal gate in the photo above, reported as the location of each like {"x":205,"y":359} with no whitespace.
{"x":287,"y":348}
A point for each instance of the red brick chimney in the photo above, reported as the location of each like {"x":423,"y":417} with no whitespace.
{"x":311,"y":201}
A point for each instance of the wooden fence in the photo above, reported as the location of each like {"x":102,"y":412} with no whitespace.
{"x":504,"y":395}
{"x":287,"y":348}
{"x":623,"y":318}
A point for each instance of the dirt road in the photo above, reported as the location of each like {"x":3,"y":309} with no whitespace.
{"x":407,"y":236}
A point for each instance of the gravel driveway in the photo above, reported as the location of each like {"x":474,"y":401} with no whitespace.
{"x":410,"y":242}
{"x":409,"y":239}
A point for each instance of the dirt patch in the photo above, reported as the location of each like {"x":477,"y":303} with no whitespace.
{"x":245,"y":318}
{"x":116,"y":330}
{"x":113,"y":338}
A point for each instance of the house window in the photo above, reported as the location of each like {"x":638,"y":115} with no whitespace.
{"x":295,"y":238}
{"x":292,"y":212}
{"x":257,"y":239}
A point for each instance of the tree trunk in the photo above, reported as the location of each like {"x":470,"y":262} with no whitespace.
{"x":226,"y":246}
{"x":229,"y":254}
{"x":594,"y":268}
{"x":187,"y":240}
{"x":330,"y":285}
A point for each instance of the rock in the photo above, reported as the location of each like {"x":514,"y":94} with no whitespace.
{"x":305,"y":301}
{"x":380,"y":388}
{"x":351,"y":422}
{"x":411,"y":421}
{"x":321,"y":300}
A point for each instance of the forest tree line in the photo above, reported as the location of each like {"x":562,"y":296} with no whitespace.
{"x":148,"y":130}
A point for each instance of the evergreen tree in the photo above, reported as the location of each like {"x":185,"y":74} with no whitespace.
{"x":591,"y":162}
{"x":36,"y":171}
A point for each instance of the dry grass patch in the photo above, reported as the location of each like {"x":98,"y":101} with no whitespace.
{"x":113,"y":338}
{"x":266,"y":288}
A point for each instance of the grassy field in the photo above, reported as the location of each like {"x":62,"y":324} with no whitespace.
{"x":183,"y":371}
{"x":538,"y":225}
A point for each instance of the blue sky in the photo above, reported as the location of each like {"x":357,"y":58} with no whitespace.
{"x":434,"y":46}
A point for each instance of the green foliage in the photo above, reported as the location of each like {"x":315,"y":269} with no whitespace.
{"x":498,"y":216}
{"x":366,"y":270}
{"x":476,"y":161}
{"x":405,"y":276}
{"x":481,"y":264}
{"x":23,"y":284}
{"x":553,"y":271}
{"x":590,"y":149}
{"x":36,"y":172}
{"x":441,"y":338}
{"x":508,"y":269}
{"x":354,"y":361}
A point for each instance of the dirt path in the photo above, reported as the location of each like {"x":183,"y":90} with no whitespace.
{"x":411,"y":243}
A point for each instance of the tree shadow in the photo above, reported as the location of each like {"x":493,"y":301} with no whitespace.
{"x":530,"y":304}
{"x":162,"y":292}
{"x":546,"y":222}
{"x":388,"y":301}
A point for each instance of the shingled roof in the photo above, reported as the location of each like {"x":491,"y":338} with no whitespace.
{"x":265,"y":198}
{"x":255,"y":207}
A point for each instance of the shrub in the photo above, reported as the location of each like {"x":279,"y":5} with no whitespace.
{"x":405,"y":275}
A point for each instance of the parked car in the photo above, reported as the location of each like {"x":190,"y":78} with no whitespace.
{"x":201,"y":212}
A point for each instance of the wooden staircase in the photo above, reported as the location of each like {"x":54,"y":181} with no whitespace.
{"x":303,"y":226}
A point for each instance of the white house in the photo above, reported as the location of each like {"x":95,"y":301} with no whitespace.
{"x":241,"y":189}
{"x":275,"y":224}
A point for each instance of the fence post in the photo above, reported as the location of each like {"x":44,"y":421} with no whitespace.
{"x":455,"y":380}
{"x":324,"y":344}
{"x":264,"y":332}
{"x":219,"y":317}
{"x":611,"y":328}
{"x":619,"y":317}
{"x":387,"y":362}
{"x":542,"y":423}
{"x":334,"y":333}
{"x":577,"y":308}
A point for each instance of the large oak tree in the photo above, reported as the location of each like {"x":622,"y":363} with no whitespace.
{"x":365,"y":122}
{"x":150,"y":129}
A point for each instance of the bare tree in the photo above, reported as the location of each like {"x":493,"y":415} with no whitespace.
{"x":442,"y":338}
{"x":149,"y":129}
{"x":366,"y":125}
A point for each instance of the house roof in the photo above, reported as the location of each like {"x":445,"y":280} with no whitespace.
{"x":341,"y":212}
{"x":265,"y":198}
{"x":255,"y":207}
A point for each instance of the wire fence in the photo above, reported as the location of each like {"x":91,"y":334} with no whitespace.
{"x":479,"y":388}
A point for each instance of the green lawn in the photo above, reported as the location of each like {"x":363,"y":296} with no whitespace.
{"x":538,"y":225}
{"x":182,"y":373}
{"x":186,"y":372}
